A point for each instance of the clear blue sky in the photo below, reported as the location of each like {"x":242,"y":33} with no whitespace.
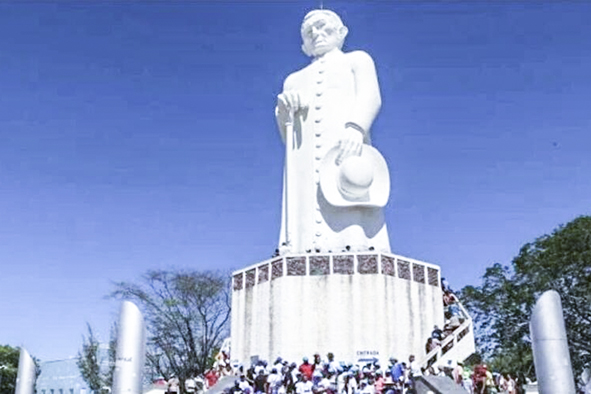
{"x":136,"y":136}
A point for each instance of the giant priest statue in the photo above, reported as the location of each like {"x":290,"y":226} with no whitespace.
{"x":335,"y":182}
{"x":335,"y":286}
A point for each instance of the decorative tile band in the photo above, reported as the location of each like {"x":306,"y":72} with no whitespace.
{"x":403,"y":269}
{"x":388,"y":266}
{"x":263,"y":273}
{"x":367,"y":264}
{"x":344,"y":264}
{"x":319,"y":265}
{"x":418,"y":273}
{"x":250,"y":278}
{"x":296,"y":266}
{"x":277,"y":269}
{"x":238,"y":281}
{"x":433,"y":276}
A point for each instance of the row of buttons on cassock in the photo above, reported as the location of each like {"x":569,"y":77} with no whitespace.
{"x":318,"y":133}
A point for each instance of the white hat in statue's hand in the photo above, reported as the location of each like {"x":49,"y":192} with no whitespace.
{"x":359,"y":180}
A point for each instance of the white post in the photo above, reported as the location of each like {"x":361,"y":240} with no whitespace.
{"x":550,"y":346}
{"x":130,"y":355}
{"x":25,"y":378}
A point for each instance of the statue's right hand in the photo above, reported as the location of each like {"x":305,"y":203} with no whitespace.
{"x":289,"y":101}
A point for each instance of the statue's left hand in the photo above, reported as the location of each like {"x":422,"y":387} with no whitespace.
{"x":350,"y":145}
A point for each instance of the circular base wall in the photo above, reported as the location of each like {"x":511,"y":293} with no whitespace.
{"x":357,"y":306}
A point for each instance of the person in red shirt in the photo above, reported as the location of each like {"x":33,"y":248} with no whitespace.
{"x":379,"y":383}
{"x":306,"y":369}
{"x":479,"y":379}
{"x":211,"y":377}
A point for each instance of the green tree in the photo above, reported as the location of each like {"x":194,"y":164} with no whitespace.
{"x":9,"y":357}
{"x":95,"y":368}
{"x":8,"y":368}
{"x":501,"y":307}
{"x":187,"y":315}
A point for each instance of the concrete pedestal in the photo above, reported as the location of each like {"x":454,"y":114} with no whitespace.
{"x":358,"y":306}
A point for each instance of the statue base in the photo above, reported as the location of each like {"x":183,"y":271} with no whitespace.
{"x":358,"y":306}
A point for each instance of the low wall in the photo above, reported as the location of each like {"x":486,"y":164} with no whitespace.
{"x":354,"y":305}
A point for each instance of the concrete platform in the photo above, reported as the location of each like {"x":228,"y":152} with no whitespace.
{"x":357,"y":306}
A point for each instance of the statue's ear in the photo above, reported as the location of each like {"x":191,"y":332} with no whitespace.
{"x":305,"y":50}
{"x":343,"y":31}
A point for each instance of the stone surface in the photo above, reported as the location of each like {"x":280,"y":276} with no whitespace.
{"x":404,"y":269}
{"x":367,"y":264}
{"x":319,"y":265}
{"x":343,"y":264}
{"x":388,"y":266}
{"x":263,"y":273}
{"x":330,"y":103}
{"x":353,"y":308}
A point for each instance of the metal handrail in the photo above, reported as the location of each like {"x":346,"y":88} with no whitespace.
{"x":453,"y":337}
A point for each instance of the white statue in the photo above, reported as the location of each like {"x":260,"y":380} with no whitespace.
{"x":335,"y":182}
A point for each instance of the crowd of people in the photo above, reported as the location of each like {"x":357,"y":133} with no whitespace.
{"x":483,"y":381}
{"x":327,"y":376}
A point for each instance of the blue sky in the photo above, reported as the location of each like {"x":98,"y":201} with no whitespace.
{"x":137,"y":136}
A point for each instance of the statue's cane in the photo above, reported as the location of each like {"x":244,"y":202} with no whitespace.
{"x":289,"y":141}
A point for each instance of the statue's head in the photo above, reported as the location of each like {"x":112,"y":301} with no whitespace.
{"x":322,"y":31}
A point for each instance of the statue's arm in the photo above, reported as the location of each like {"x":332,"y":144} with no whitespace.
{"x":281,"y":113}
{"x":368,"y":99}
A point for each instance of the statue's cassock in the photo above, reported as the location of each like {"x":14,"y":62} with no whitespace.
{"x":340,"y":94}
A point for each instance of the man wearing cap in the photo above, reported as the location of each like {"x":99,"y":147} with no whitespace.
{"x":328,"y":108}
{"x":274,"y":381}
{"x":278,"y":364}
{"x":397,"y":372}
{"x":243,"y":383}
{"x":306,"y":368}
{"x":333,"y":366}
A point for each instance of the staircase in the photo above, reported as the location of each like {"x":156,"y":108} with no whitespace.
{"x":437,"y":385}
{"x":457,"y":346}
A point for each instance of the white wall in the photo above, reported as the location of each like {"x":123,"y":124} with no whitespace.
{"x":353,"y":316}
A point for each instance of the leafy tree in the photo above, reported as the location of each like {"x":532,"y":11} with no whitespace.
{"x":9,"y":357}
{"x":8,"y":368}
{"x":187,"y":315}
{"x":96,"y":371}
{"x":501,"y":307}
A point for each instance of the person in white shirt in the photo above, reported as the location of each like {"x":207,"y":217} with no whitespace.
{"x":278,"y":364}
{"x":304,"y":386}
{"x":243,"y":383}
{"x":415,"y":368}
{"x":190,"y":385}
{"x":274,"y":381}
{"x":366,"y":388}
{"x":259,"y":367}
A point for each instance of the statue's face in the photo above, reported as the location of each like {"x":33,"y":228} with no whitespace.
{"x":321,"y":35}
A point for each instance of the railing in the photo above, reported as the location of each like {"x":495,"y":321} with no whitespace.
{"x":451,"y":340}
